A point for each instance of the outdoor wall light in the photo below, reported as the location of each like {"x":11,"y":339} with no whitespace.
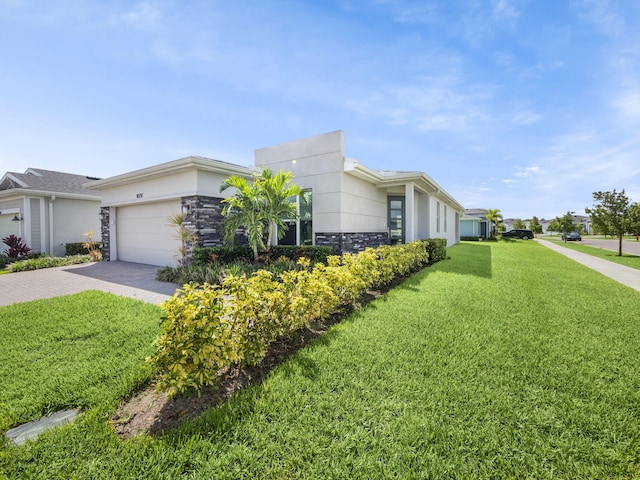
{"x":186,"y":208}
{"x":17,"y":218}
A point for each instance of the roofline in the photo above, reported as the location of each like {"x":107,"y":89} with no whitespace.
{"x":423,"y":181}
{"x":27,"y":192}
{"x":169,"y":168}
{"x":16,"y":180}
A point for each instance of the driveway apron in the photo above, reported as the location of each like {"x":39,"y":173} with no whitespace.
{"x":127,"y":279}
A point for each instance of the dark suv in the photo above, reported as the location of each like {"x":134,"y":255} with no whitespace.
{"x":523,"y":234}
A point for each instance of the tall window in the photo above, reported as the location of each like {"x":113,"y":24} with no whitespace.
{"x":395,"y":210}
{"x":300,"y":232}
{"x":438,"y":217}
{"x":445,"y":219}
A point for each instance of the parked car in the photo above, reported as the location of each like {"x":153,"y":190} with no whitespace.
{"x":523,"y":234}
{"x":573,"y":236}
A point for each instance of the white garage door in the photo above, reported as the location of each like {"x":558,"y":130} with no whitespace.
{"x":8,"y":227}
{"x":144,"y":236}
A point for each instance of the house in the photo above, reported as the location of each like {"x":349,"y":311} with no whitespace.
{"x":474,"y":224}
{"x":344,"y":204}
{"x":48,"y":209}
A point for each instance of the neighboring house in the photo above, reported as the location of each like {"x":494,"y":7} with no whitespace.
{"x":474,"y":224}
{"x":48,"y":209}
{"x":344,"y":204}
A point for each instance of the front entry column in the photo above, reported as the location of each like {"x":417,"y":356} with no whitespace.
{"x":410,"y":227}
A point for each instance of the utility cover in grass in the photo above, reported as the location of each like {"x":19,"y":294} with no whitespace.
{"x":31,"y":430}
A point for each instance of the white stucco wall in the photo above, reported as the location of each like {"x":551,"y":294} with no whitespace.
{"x":154,"y":189}
{"x":364,"y":207}
{"x":71,"y":220}
{"x":316,"y":163}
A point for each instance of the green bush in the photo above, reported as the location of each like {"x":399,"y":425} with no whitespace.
{"x":437,"y":249}
{"x":205,"y":255}
{"x":77,"y":248}
{"x":210,"y":327}
{"x":4,"y":261}
{"x":47,"y":262}
{"x":243,"y":253}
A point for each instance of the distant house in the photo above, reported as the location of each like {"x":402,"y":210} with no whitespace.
{"x":474,"y":224}
{"x":345,"y":204}
{"x":48,"y":209}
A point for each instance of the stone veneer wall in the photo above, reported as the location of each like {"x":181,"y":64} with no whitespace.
{"x":351,"y":242}
{"x":104,"y":233}
{"x":205,"y":219}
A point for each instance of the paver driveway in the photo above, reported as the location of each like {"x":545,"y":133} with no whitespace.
{"x":121,"y":278}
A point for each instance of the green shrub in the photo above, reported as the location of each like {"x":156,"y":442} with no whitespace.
{"x":243,"y":253}
{"x":207,"y":328}
{"x":4,"y":261}
{"x":78,"y":248}
{"x":47,"y":262}
{"x":205,"y":255}
{"x":293,"y":252}
{"x":437,"y":249}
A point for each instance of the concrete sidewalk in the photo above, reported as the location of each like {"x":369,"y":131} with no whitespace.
{"x":620,"y":273}
{"x":120,"y":278}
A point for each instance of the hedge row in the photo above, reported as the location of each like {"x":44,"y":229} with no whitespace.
{"x":205,"y":255}
{"x":77,"y":248}
{"x":210,"y":327}
{"x":46,"y":261}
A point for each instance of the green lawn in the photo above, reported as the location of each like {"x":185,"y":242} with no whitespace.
{"x":626,"y":259}
{"x":75,"y":351}
{"x":507,"y":361}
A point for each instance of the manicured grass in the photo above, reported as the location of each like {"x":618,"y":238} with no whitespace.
{"x":507,"y":361}
{"x":74,"y":351}
{"x":626,"y":259}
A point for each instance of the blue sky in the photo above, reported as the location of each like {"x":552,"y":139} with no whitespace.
{"x":526,"y":106}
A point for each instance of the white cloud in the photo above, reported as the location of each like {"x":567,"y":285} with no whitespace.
{"x":603,"y":15}
{"x":504,"y":10}
{"x":527,"y":171}
{"x":143,"y":16}
{"x":628,"y":104}
{"x":526,"y":118}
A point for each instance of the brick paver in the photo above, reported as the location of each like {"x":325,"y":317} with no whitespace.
{"x":120,"y":278}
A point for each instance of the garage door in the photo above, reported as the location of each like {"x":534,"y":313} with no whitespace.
{"x":144,"y":236}
{"x":8,"y":227}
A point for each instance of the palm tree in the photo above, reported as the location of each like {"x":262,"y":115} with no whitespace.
{"x":495,"y":217}
{"x":278,"y":192}
{"x":260,"y":206}
{"x":244,"y":209}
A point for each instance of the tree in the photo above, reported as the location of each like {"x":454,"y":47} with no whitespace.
{"x":495,"y":217}
{"x":518,"y":224}
{"x":554,"y":225}
{"x":534,"y":225}
{"x":278,"y":191}
{"x":259,"y":206}
{"x":634,"y":219}
{"x":610,"y":213}
{"x":244,"y":209}
{"x":565,"y":224}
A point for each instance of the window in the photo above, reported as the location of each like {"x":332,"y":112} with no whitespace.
{"x":395,"y":209}
{"x":300,"y":232}
{"x":438,"y":217}
{"x":445,"y":219}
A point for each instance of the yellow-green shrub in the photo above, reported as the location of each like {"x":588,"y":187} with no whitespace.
{"x":197,"y":339}
{"x":208,"y":328}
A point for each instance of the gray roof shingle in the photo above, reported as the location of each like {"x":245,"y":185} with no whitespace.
{"x":49,"y":181}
